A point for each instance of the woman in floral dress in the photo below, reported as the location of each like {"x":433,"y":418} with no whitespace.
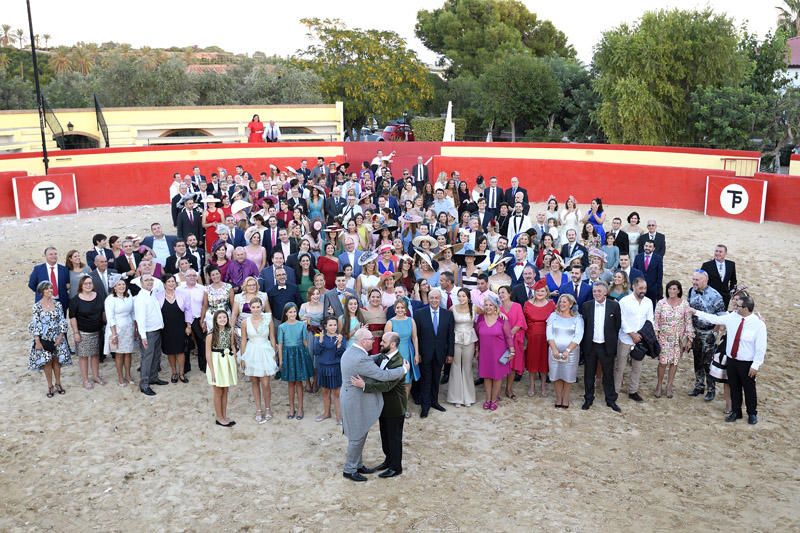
{"x":673,"y":325}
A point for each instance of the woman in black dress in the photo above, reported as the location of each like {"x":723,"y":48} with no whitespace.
{"x":173,"y":341}
{"x":86,"y":311}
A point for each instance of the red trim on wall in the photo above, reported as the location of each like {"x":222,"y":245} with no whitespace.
{"x":7,"y":192}
{"x":625,"y":147}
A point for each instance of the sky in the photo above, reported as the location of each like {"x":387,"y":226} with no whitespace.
{"x":247,"y":26}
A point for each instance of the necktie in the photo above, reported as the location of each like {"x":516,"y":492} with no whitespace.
{"x":435,"y":321}
{"x":449,"y":300}
{"x":721,"y":268}
{"x":130,"y":263}
{"x":530,"y":293}
{"x":577,"y":292}
{"x":273,"y":238}
{"x":191,"y":218}
{"x":736,"y":339}
{"x":53,"y":281}
{"x":646,"y":262}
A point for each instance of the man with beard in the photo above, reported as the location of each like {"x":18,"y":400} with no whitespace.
{"x":395,"y":404}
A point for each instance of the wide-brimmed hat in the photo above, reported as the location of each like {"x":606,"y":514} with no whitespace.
{"x":410,"y":218}
{"x":385,"y":225}
{"x":383,"y":248}
{"x":334,"y":228}
{"x":367,"y":257}
{"x":366,"y":195}
{"x":210,"y":199}
{"x":596,"y":252}
{"x":133,"y":237}
{"x":289,"y":169}
{"x":249,"y":232}
{"x":577,"y":254}
{"x":386,"y":275}
{"x":460,"y":258}
{"x":417,"y":242}
{"x":426,"y":258}
{"x":455,"y":248}
{"x":239,"y":205}
{"x":499,"y":260}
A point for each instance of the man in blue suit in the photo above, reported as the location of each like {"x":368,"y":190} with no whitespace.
{"x":99,"y":246}
{"x":652,"y":265}
{"x":582,"y":292}
{"x":400,"y":294}
{"x":350,"y":256}
{"x":266,"y":279}
{"x":50,"y":270}
{"x":625,"y":266}
{"x":162,"y":245}
{"x":236,"y":233}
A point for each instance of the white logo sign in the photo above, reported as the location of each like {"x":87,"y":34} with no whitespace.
{"x":46,"y":195}
{"x":734,"y":199}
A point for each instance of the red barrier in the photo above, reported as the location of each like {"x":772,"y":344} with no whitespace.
{"x":783,"y":197}
{"x":7,"y":192}
{"x":736,"y":197}
{"x":43,"y":196}
{"x":405,"y":157}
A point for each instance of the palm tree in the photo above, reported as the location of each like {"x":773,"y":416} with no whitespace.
{"x":6,"y":38}
{"x":61,"y":62}
{"x":789,"y":17}
{"x":82,"y":60}
{"x":46,"y":38}
{"x":20,"y":38}
{"x":4,"y":61}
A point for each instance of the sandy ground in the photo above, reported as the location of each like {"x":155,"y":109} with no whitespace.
{"x":112,"y":459}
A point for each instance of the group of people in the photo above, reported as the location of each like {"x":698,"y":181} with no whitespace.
{"x":337,"y":281}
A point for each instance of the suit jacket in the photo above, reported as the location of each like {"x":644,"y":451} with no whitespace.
{"x":361,"y":409}
{"x":171,"y":266}
{"x":654,"y":275}
{"x":485,"y":218}
{"x":420,"y":178}
{"x":41,"y":273}
{"x":519,"y":294}
{"x":330,"y":300}
{"x":345,"y":260}
{"x":578,"y":246}
{"x":634,"y":273}
{"x":100,"y":288}
{"x":509,"y":196}
{"x":171,"y":239}
{"x":195,"y":227}
{"x":722,"y":286}
{"x":238,"y":238}
{"x":584,"y":289}
{"x":278,"y":246}
{"x":501,"y":197}
{"x":266,"y":280}
{"x":266,"y":240}
{"x":395,"y":401}
{"x":91,"y":254}
{"x":415,"y":306}
{"x":622,"y":242}
{"x":174,"y":208}
{"x":333,"y":208}
{"x":613,"y":321}
{"x":279,"y":298}
{"x":121,"y":263}
{"x":432,"y":345}
{"x":511,"y":265}
{"x":659,"y":241}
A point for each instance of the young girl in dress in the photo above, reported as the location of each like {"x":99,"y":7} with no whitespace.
{"x":328,"y":353}
{"x":293,"y":358}
{"x":221,"y":372}
{"x":258,"y":357}
{"x":351,"y":318}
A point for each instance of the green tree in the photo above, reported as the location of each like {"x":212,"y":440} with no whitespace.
{"x":373,"y":73}
{"x":69,"y":90}
{"x":519,"y":86}
{"x":768,"y":59}
{"x":213,"y":88}
{"x":472,"y":34}
{"x":281,"y":84}
{"x":15,"y":93}
{"x":789,"y":17}
{"x":647,"y":73}
{"x":6,"y":38}
{"x":731,"y":117}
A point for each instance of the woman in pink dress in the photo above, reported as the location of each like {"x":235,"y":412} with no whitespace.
{"x":673,"y":325}
{"x":536,"y":311}
{"x":516,"y":321}
{"x":211,"y":218}
{"x":254,"y":251}
{"x":494,"y":339}
{"x":256,"y":128}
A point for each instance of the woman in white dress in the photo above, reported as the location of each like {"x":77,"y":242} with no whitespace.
{"x":461,"y":390}
{"x":570,"y":218}
{"x":368,"y":279}
{"x":119,"y":336}
{"x":634,"y":231}
{"x":258,"y":357}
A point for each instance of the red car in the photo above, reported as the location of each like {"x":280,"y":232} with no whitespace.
{"x":398,"y":132}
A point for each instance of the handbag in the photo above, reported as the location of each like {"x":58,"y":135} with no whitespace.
{"x":48,"y":345}
{"x":719,"y":366}
{"x":505,"y":357}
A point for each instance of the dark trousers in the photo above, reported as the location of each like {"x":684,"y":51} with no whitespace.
{"x":200,"y":341}
{"x":430,"y":371}
{"x":598,"y":352}
{"x":738,"y":379}
{"x":703,"y":349}
{"x":101,"y":339}
{"x":392,"y":440}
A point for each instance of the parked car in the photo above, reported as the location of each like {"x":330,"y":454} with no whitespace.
{"x":398,"y":131}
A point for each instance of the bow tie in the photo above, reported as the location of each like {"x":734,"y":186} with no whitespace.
{"x":281,"y":288}
{"x":520,"y":263}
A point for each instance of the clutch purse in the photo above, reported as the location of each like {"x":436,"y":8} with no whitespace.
{"x":505,"y":357}
{"x":48,"y":346}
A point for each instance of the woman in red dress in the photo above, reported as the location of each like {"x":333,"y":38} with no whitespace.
{"x":328,"y":264}
{"x":536,"y":311}
{"x":211,"y":217}
{"x":256,"y":128}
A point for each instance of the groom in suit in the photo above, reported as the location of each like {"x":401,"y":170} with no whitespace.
{"x":721,"y":273}
{"x":332,"y":300}
{"x":602,"y":320}
{"x":436,"y":334}
{"x":56,"y":274}
{"x":652,"y":265}
{"x":361,"y":409}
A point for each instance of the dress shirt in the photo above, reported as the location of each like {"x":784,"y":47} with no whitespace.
{"x":518,"y":269}
{"x":147,"y":311}
{"x":492,"y":198}
{"x":453,"y":293}
{"x":445,"y":204}
{"x":237,"y":272}
{"x":158,"y":288}
{"x":161,"y":250}
{"x":477,"y":297}
{"x":599,"y":322}
{"x":634,"y":314}
{"x":196,"y":255}
{"x":435,"y":316}
{"x":721,"y":269}
{"x":192,"y":301}
{"x":286,"y":248}
{"x":753,"y":341}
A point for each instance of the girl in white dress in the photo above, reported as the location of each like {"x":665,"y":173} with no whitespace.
{"x":570,"y":218}
{"x":634,"y":231}
{"x":258,"y":357}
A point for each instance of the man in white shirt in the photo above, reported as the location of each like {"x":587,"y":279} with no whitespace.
{"x":518,"y":221}
{"x":635,"y":309}
{"x":146,"y":268}
{"x":272,"y":133}
{"x":494,"y":195}
{"x":192,"y":295}
{"x":149,"y":324}
{"x":380,"y":158}
{"x":351,"y":209}
{"x":746,"y":346}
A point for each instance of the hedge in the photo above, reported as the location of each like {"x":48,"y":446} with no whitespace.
{"x":432,"y":129}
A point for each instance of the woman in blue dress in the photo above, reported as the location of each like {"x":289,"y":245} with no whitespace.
{"x":555,"y":276}
{"x":328,"y":353}
{"x":404,"y":326}
{"x":315,"y":204}
{"x":311,"y":313}
{"x":293,"y":357}
{"x":597,"y":217}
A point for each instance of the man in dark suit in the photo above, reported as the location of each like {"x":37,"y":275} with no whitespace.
{"x":401,"y":294}
{"x":516,"y":268}
{"x":484,"y":214}
{"x":281,"y":294}
{"x":194,"y":249}
{"x":621,"y":239}
{"x":656,"y":238}
{"x":101,"y":279}
{"x":332,"y":300}
{"x":651,"y":264}
{"x":350,"y":256}
{"x":395,"y":405}
{"x":571,"y":246}
{"x":176,"y":202}
{"x":523,"y":291}
{"x":99,"y":247}
{"x":271,"y":236}
{"x":171,"y":265}
{"x":236,"y":234}
{"x":579,"y":290}
{"x":128,"y":261}
{"x":266,"y":279}
{"x":602,"y":320}
{"x":284,"y":245}
{"x":625,"y":266}
{"x":436,"y":334}
{"x":190,"y":220}
{"x":511,"y":192}
{"x":56,"y":274}
{"x":721,"y":273}
{"x":420,"y":173}
{"x":334,"y":204}
{"x":494,"y":196}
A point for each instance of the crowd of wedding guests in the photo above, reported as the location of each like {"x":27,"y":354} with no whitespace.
{"x":273,"y":276}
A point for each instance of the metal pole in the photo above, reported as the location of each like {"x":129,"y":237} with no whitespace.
{"x":39,"y":100}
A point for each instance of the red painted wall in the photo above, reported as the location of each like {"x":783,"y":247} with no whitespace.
{"x":682,"y":188}
{"x":7,"y":192}
{"x":406,"y":155}
{"x":783,"y":197}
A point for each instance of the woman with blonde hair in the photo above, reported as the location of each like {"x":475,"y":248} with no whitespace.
{"x":564,"y":334}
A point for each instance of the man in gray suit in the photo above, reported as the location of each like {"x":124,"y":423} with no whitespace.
{"x":332,"y":300}
{"x":102,"y":279}
{"x":360,"y":410}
